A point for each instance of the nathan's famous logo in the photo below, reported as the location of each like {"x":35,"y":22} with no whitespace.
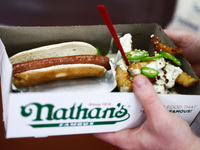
{"x":36,"y":111}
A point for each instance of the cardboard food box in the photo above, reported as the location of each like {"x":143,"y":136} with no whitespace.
{"x":79,"y":111}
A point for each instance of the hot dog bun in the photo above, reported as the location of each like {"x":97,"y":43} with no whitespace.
{"x":55,"y":50}
{"x":54,"y":73}
{"x":90,"y":65}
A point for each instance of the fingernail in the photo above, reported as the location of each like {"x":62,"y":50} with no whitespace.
{"x":140,"y":81}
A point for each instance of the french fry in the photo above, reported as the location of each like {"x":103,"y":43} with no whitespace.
{"x":124,"y":83}
{"x":186,"y":80}
{"x":158,"y":46}
{"x":137,"y":65}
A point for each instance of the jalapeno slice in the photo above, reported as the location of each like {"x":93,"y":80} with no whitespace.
{"x":98,"y":51}
{"x":149,"y":72}
{"x":171,"y":57}
{"x":152,"y":58}
{"x":136,"y":54}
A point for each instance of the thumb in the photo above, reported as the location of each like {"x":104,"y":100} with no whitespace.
{"x":149,"y":99}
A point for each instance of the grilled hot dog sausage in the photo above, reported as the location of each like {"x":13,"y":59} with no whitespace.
{"x":48,"y":62}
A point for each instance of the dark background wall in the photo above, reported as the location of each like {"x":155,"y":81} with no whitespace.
{"x":76,"y":12}
{"x":84,"y":12}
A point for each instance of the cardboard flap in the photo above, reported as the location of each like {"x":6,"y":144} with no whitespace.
{"x":6,"y":76}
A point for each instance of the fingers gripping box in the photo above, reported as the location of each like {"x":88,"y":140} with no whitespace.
{"x":89,"y":108}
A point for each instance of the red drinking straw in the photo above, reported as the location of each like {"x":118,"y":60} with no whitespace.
{"x":109,"y":24}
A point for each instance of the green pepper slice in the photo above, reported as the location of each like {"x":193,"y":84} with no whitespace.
{"x":136,"y":54}
{"x":98,"y":51}
{"x":152,"y":58}
{"x":149,"y":72}
{"x":171,"y":57}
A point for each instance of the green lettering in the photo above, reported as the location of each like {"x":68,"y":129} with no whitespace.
{"x":84,"y":110}
{"x":122,"y":112}
{"x":111,"y":110}
{"x":72,"y":112}
{"x":95,"y":111}
{"x":39,"y":107}
{"x":63,"y":114}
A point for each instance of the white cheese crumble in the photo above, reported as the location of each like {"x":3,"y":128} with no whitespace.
{"x":122,"y":64}
{"x":152,"y":36}
{"x":126,"y":42}
{"x":160,"y":88}
{"x":172,"y":73}
{"x":167,"y":75}
{"x":157,"y":64}
{"x":124,"y":89}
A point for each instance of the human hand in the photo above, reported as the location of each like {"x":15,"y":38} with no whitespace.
{"x":190,"y":44}
{"x":161,"y":129}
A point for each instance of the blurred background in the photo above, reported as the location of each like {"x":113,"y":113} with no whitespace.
{"x":84,"y":12}
{"x":76,"y":12}
{"x":171,"y":14}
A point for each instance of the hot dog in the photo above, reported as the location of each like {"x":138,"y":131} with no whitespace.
{"x":48,"y":62}
{"x":69,"y":60}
